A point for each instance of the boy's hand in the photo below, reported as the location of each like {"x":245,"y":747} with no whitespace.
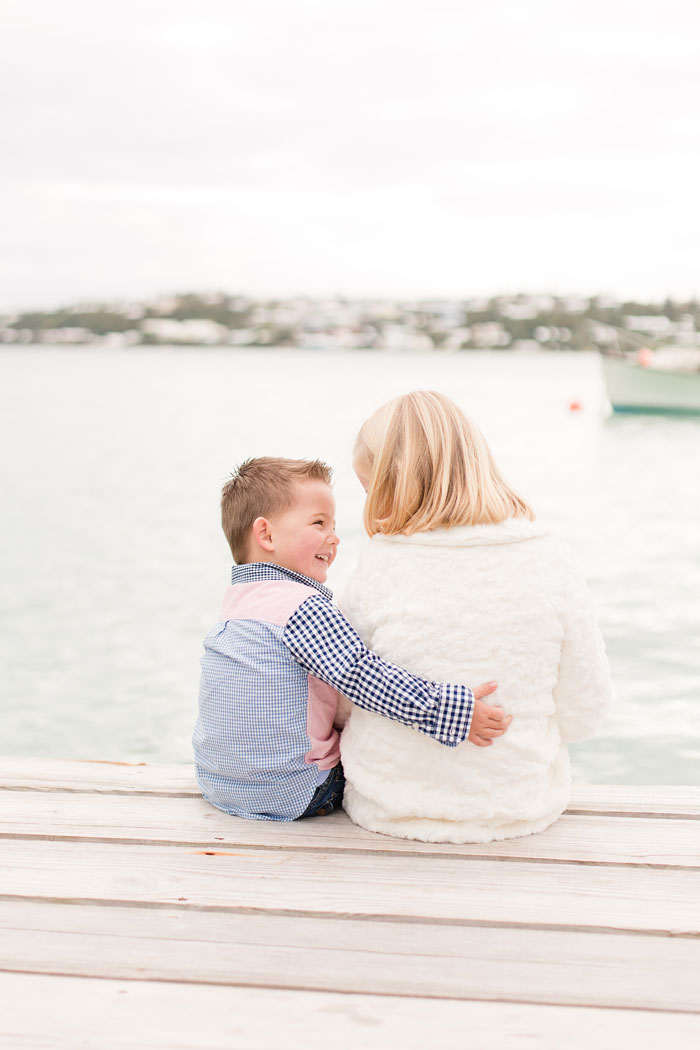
{"x":487,"y":722}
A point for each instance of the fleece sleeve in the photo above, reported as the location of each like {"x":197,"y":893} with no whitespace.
{"x":583,"y":692}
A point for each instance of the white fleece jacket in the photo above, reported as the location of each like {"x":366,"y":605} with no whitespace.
{"x":473,"y":604}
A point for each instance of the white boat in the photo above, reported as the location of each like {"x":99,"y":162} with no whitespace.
{"x":663,"y":382}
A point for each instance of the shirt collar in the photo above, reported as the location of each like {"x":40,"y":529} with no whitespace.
{"x":265,"y":570}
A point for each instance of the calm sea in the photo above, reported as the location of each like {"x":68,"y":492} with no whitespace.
{"x":112,"y":564}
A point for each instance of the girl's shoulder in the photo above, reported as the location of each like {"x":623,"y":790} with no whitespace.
{"x":518,"y":544}
{"x":518,"y":540}
{"x":503,"y":533}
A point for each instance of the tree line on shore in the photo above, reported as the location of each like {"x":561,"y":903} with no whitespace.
{"x":521,"y":322}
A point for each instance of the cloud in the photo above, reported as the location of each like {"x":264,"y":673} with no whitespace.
{"x":295,"y":142}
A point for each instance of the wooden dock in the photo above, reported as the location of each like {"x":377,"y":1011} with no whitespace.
{"x":133,"y":915}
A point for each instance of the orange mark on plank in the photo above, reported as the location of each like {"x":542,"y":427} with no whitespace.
{"x":217,"y":853}
{"x":106,"y":762}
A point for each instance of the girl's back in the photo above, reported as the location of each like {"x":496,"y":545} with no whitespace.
{"x":468,"y":604}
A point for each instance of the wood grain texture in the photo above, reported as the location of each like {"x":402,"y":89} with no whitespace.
{"x":212,"y":932}
{"x":358,"y":956}
{"x":121,"y":1015}
{"x":415,"y":887}
{"x":184,"y":821}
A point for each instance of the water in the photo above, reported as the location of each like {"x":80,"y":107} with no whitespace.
{"x":112,"y":564}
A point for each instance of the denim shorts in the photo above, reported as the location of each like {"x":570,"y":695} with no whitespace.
{"x":328,"y":796}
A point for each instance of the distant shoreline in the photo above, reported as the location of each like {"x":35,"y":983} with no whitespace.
{"x":523,"y":323}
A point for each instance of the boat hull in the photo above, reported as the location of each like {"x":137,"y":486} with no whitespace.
{"x":633,"y":388}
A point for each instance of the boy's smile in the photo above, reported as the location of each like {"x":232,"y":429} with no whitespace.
{"x":302,"y":538}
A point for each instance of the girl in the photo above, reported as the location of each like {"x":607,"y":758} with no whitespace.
{"x":459,"y":582}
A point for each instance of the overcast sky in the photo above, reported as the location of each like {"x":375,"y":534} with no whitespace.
{"x":318,"y":146}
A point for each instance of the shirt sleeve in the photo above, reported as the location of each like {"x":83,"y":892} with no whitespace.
{"x":322,"y":641}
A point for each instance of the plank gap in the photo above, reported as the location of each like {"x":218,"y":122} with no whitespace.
{"x":200,"y":846}
{"x":588,"y":811}
{"x":50,"y":789}
{"x":413,"y":920}
{"x":325,"y":991}
{"x":642,"y":814}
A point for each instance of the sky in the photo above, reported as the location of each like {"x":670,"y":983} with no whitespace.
{"x":283,"y":147}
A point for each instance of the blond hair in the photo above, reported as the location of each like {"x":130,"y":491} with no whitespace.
{"x":428,"y":466}
{"x":260,"y":488}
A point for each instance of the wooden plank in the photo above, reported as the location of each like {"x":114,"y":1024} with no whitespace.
{"x":430,"y":887}
{"x":454,"y":962}
{"x":643,"y":800}
{"x":43,"y":774}
{"x":178,"y":821}
{"x":126,"y":1015}
{"x":47,"y":774}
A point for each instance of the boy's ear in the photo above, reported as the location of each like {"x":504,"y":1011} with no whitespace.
{"x":262,"y":535}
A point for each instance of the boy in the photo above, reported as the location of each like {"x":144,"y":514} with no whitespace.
{"x":265,"y":743}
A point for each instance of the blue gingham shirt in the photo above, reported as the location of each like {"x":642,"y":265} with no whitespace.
{"x":250,"y":738}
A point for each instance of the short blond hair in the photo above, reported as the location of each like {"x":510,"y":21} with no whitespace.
{"x":260,"y":488}
{"x":428,"y":466}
